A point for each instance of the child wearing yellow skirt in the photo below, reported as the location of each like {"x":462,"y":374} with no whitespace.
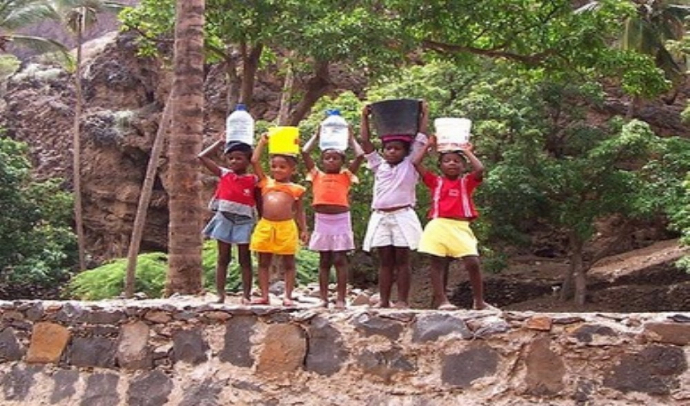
{"x":448,"y":234}
{"x":282,"y":222}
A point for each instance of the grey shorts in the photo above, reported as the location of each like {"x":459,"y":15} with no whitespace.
{"x":230,"y":228}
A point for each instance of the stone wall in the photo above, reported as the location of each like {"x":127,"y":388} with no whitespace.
{"x":158,"y":353}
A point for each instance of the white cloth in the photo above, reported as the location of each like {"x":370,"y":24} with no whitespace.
{"x":394,"y":185}
{"x":399,"y":228}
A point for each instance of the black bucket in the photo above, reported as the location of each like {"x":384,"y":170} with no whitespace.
{"x":396,"y":117}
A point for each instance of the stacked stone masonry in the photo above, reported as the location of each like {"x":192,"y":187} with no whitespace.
{"x":167,"y":353}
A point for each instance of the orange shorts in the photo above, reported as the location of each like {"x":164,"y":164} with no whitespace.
{"x":275,"y":237}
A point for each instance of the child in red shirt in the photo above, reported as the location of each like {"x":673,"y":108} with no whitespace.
{"x":332,"y":236}
{"x":234,"y":205}
{"x":448,"y":235}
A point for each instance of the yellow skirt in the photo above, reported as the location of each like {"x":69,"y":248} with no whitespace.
{"x":275,"y":237}
{"x":444,"y":237}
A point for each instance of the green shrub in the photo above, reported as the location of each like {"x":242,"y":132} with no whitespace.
{"x":108,"y":280}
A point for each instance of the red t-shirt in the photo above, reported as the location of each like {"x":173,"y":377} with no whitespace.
{"x":452,"y":198}
{"x":237,"y":188}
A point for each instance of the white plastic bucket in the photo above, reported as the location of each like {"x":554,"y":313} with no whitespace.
{"x":452,"y":133}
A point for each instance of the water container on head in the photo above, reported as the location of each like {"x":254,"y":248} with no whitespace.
{"x":239,"y":126}
{"x":334,"y":132}
{"x":452,"y":133}
{"x":283,"y":140}
{"x":396,"y":117}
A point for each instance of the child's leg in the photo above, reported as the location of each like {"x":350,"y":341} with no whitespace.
{"x":386,"y":267}
{"x":439,"y":267}
{"x":264,"y":276}
{"x":245,"y":260}
{"x":224,"y":250}
{"x":472,"y":266}
{"x":341,"y":269}
{"x":402,"y":266}
{"x":289,"y":267}
{"x":325,"y":262}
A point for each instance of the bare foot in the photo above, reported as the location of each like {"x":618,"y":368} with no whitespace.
{"x":340,"y":304}
{"x":288,"y":302}
{"x":447,"y":307}
{"x":245,"y":301}
{"x":324,"y":304}
{"x":221,"y":299}
{"x":260,"y":301}
{"x":402,"y":305}
{"x":485,"y":306}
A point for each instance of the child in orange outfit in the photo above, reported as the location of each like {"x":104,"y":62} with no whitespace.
{"x":332,"y":236}
{"x":282,"y":221}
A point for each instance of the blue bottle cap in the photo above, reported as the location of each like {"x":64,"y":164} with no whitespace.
{"x":333,"y":112}
{"x":241,"y":107}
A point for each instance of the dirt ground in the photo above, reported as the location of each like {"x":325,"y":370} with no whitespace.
{"x":636,"y":281}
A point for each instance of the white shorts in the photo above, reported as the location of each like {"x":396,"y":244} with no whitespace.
{"x":399,"y":228}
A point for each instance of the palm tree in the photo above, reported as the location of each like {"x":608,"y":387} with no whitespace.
{"x":77,"y":16}
{"x":649,"y":31}
{"x":17,"y":14}
{"x":184,"y":234}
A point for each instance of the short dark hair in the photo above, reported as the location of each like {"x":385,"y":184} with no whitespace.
{"x":233,"y":146}
{"x":290,"y":158}
{"x":406,"y":145}
{"x":456,"y":152}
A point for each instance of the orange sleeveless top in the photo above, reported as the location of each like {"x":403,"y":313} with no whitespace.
{"x":268,"y":184}
{"x":331,"y":188}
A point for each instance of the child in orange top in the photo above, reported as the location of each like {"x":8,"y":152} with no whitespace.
{"x":282,"y":217}
{"x":332,"y":235}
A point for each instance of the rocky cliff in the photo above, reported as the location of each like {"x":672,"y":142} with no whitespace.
{"x":124,"y":95}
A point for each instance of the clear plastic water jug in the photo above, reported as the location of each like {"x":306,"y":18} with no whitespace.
{"x":239,"y":126}
{"x":452,"y":133}
{"x":334,"y":133}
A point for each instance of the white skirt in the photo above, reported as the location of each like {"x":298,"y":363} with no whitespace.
{"x":399,"y":228}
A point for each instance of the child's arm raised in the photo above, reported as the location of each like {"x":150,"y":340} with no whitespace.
{"x":420,"y":141}
{"x":256,"y":157}
{"x":301,"y":220}
{"x":477,"y":166}
{"x":419,"y":155}
{"x":367,"y":146}
{"x":359,"y":153}
{"x":208,"y":162}
{"x":308,"y":147}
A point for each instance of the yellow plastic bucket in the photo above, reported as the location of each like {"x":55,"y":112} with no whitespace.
{"x":283,"y":140}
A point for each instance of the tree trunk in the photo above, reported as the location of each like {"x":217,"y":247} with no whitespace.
{"x":286,"y":95}
{"x":250,"y":64}
{"x":580,"y":273}
{"x":234,"y":83}
{"x":76,"y":153}
{"x":184,"y":234}
{"x":145,"y":198}
{"x":316,"y":87}
{"x":567,"y":287}
{"x":632,"y":107}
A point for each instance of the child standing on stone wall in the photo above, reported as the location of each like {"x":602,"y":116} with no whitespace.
{"x":234,"y":206}
{"x":448,"y":235}
{"x":283,"y":221}
{"x":394,"y":228}
{"x":332,"y":236}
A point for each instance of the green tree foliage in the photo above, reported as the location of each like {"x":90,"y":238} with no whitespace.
{"x":37,"y":247}
{"x":107,"y":281}
{"x":546,"y":162}
{"x":17,"y":14}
